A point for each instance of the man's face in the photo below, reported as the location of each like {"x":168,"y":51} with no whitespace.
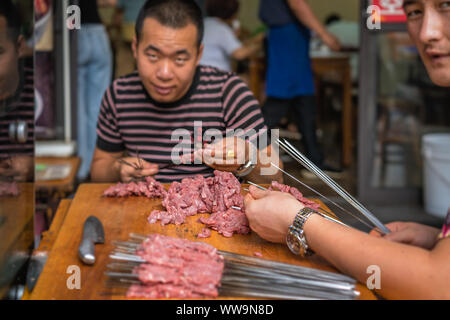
{"x":10,"y":53}
{"x":167,"y":59}
{"x":429,"y":27}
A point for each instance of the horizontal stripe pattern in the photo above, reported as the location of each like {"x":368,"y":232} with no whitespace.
{"x":19,"y":109}
{"x":129,"y":120}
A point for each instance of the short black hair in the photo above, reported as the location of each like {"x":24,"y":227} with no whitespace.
{"x":13,"y":20}
{"x":175,"y":14}
{"x":334,"y":17}
{"x":224,"y":9}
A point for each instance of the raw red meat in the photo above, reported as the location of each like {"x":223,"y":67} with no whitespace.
{"x":9,"y":189}
{"x":297,"y":194}
{"x":149,"y":188}
{"x":177,"y":268}
{"x":214,"y":195}
{"x":227,"y":223}
{"x":206,"y":233}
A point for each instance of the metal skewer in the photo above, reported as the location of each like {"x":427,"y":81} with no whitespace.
{"x":242,"y":276}
{"x":122,"y":161}
{"x":321,"y":195}
{"x":325,"y":214}
{"x":140,"y":165}
{"x":299,"y":157}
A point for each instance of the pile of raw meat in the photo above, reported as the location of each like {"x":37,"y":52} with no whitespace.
{"x":216,"y":195}
{"x":177,"y":268}
{"x":9,"y":189}
{"x":149,"y":188}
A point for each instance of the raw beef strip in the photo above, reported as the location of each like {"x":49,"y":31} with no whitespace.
{"x":206,"y":233}
{"x":149,"y":188}
{"x":177,"y":268}
{"x":297,"y":194}
{"x":227,"y":222}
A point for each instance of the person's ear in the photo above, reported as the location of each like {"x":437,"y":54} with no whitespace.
{"x":134,"y":45}
{"x":21,"y":46}
{"x":200,"y":53}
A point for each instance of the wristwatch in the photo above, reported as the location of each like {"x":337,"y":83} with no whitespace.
{"x":245,"y":169}
{"x":296,"y":240}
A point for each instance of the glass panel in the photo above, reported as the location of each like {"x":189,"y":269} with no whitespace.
{"x":408,"y":105}
{"x":16,"y":141}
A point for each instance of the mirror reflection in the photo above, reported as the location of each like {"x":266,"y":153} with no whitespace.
{"x":16,"y":143}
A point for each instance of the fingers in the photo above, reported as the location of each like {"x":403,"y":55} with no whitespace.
{"x":257,"y":193}
{"x":129,"y":170}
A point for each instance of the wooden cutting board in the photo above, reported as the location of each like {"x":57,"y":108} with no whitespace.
{"x":16,"y":220}
{"x":125,"y":215}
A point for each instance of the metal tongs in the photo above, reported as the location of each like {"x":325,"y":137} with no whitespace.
{"x":299,"y":157}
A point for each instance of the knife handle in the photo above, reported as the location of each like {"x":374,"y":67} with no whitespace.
{"x":86,"y":251}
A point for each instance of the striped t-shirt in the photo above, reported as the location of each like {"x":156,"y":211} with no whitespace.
{"x":130,"y":120}
{"x":15,"y":110}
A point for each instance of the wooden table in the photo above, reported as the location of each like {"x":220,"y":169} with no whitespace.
{"x":121,"y":217}
{"x":50,"y":192}
{"x":16,"y":229}
{"x":65,"y":185}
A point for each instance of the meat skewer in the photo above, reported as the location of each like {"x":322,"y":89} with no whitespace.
{"x":242,"y":276}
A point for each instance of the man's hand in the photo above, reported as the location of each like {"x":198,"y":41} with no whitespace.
{"x":132,"y":168}
{"x":113,"y":167}
{"x":331,"y":41}
{"x":270,"y":213}
{"x":411,"y":233}
{"x":228,"y":154}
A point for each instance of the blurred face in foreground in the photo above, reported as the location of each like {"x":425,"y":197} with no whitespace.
{"x":10,"y":53}
{"x":167,"y":59}
{"x":429,"y":27}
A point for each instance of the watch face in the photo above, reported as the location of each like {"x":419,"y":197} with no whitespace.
{"x":293,"y":243}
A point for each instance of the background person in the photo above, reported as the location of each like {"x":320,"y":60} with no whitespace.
{"x":94,"y":75}
{"x":221,"y":43}
{"x":289,"y":78}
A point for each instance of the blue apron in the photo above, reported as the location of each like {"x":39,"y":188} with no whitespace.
{"x":289,"y":72}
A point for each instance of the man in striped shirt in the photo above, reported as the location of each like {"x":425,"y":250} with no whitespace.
{"x":16,"y":100}
{"x":173,"y":110}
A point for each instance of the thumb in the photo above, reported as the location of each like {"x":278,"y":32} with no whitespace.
{"x":247,"y":199}
{"x":257,"y":193}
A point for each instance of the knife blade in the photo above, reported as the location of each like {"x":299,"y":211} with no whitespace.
{"x":93,"y":234}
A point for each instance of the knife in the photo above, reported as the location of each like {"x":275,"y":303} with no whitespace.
{"x":93,"y":234}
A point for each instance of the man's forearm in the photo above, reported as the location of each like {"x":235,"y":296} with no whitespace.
{"x":400,"y":278}
{"x":305,"y":15}
{"x":105,"y":170}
